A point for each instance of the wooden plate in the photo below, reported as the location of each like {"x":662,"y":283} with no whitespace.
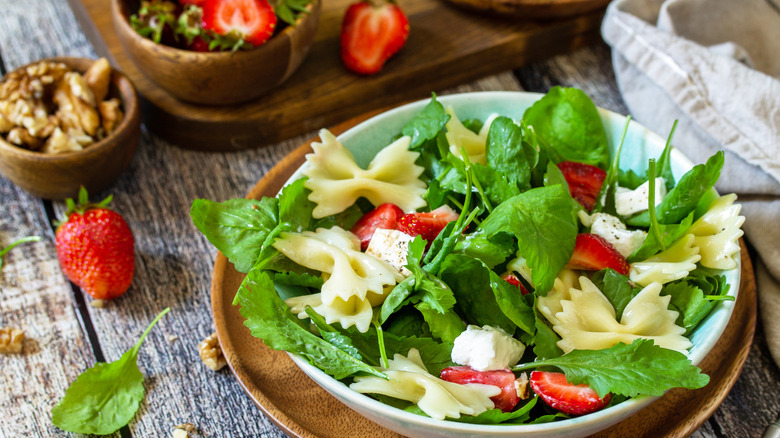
{"x":301,"y":408}
{"x":533,"y":9}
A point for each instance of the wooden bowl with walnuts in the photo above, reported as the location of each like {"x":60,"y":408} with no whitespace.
{"x":197,"y":55}
{"x":67,"y":123}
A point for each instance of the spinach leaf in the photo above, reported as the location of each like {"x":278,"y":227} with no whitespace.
{"x":545,"y":341}
{"x":492,"y":250}
{"x":445,"y":326}
{"x":641,"y":368}
{"x":670,"y":234}
{"x":542,"y":220}
{"x":694,"y":297}
{"x":427,"y":124}
{"x":506,"y":154}
{"x":268,"y":318}
{"x":520,"y":415}
{"x":617,"y":288}
{"x":567,"y":123}
{"x":105,"y":397}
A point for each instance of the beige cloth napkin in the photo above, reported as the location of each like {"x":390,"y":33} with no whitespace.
{"x":715,"y":66}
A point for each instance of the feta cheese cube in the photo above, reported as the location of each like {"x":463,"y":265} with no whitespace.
{"x":628,"y":202}
{"x":391,"y":246}
{"x":615,"y":232}
{"x":486,"y":348}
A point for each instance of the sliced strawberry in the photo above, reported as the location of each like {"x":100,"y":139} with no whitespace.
{"x":251,"y":20}
{"x":584,"y":180}
{"x":514,"y":281}
{"x":371,"y":32}
{"x":428,"y":225}
{"x":385,"y":216}
{"x":504,"y":379}
{"x":198,"y":44}
{"x":594,"y":253}
{"x":564,"y":396}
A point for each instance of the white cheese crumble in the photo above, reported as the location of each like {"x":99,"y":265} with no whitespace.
{"x":391,"y":246}
{"x":628,"y":202}
{"x":486,"y":348}
{"x":614,"y":231}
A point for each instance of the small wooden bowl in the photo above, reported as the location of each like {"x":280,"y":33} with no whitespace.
{"x":533,"y":9}
{"x":218,"y":78}
{"x":59,"y":176}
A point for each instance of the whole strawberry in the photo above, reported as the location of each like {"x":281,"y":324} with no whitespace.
{"x":95,"y":248}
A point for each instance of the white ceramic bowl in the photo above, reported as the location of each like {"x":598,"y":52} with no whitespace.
{"x":365,"y":140}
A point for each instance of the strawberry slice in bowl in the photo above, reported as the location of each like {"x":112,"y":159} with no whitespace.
{"x":594,"y":253}
{"x":428,"y":225}
{"x":564,"y":396}
{"x":584,"y":180}
{"x":253,"y":21}
{"x":385,"y":216}
{"x":504,"y":379}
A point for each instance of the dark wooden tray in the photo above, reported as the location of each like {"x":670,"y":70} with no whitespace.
{"x":302,"y":409}
{"x":447,"y":46}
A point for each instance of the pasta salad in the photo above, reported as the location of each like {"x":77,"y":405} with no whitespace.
{"x":491,"y":271}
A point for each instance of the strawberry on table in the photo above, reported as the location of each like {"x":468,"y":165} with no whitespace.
{"x":584,"y":180}
{"x":252,"y":21}
{"x":594,"y":253}
{"x":95,"y":248}
{"x":385,"y":216}
{"x":372,"y":31}
{"x":564,"y":396}
{"x":504,"y":379}
{"x":428,"y":225}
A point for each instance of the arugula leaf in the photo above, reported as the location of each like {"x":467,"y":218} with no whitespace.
{"x":567,"y":123}
{"x":427,"y":124}
{"x":5,"y":250}
{"x":683,"y":199}
{"x":505,"y":153}
{"x":445,"y":326}
{"x":542,"y":220}
{"x":520,"y":415}
{"x":670,"y":234}
{"x":268,"y":318}
{"x":641,"y":368}
{"x":693,"y":297}
{"x":105,"y":397}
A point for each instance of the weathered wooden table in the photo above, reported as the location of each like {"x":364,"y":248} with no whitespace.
{"x":174,"y":263}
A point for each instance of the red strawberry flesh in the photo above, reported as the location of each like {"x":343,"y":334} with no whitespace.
{"x":504,"y":379}
{"x":515,"y":281}
{"x":385,"y":216}
{"x":428,"y":225}
{"x":252,"y":20}
{"x":584,"y":180}
{"x":372,"y":32}
{"x":564,"y":396}
{"x":592,"y":252}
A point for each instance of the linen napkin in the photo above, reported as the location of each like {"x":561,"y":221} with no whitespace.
{"x":715,"y":66}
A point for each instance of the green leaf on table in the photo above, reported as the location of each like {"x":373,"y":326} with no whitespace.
{"x":641,"y":368}
{"x":568,"y":125}
{"x":105,"y":397}
{"x":5,"y":250}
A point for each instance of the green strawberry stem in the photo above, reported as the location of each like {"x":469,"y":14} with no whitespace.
{"x":82,"y":206}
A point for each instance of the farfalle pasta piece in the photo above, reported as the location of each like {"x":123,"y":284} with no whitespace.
{"x":551,"y":304}
{"x":717,"y":233}
{"x":459,"y":137}
{"x":336,"y":181}
{"x":409,"y":380}
{"x":671,"y":264}
{"x":354,"y":281}
{"x":587,"y":320}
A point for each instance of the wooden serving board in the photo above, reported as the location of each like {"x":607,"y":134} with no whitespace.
{"x":447,"y":46}
{"x":302,"y":409}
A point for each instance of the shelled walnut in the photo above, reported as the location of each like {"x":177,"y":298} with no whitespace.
{"x":11,"y":340}
{"x":211,"y":353}
{"x":50,"y":108}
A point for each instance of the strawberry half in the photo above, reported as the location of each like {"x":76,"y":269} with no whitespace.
{"x":428,"y":225}
{"x":564,"y":396}
{"x":95,"y":248}
{"x":385,"y":216}
{"x":504,"y":379}
{"x":372,"y":32}
{"x":514,"y":281}
{"x":251,"y":20}
{"x":594,"y":253}
{"x":584,"y":180}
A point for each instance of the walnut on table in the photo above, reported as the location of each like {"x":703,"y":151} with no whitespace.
{"x":183,"y":430}
{"x":211,"y":353}
{"x":48,"y":107}
{"x":11,"y":340}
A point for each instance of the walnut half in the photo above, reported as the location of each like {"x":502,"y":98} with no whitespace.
{"x":211,"y":353}
{"x":11,"y":340}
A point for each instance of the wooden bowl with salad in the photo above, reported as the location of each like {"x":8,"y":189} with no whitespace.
{"x":216,"y":52}
{"x":540,"y":263}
